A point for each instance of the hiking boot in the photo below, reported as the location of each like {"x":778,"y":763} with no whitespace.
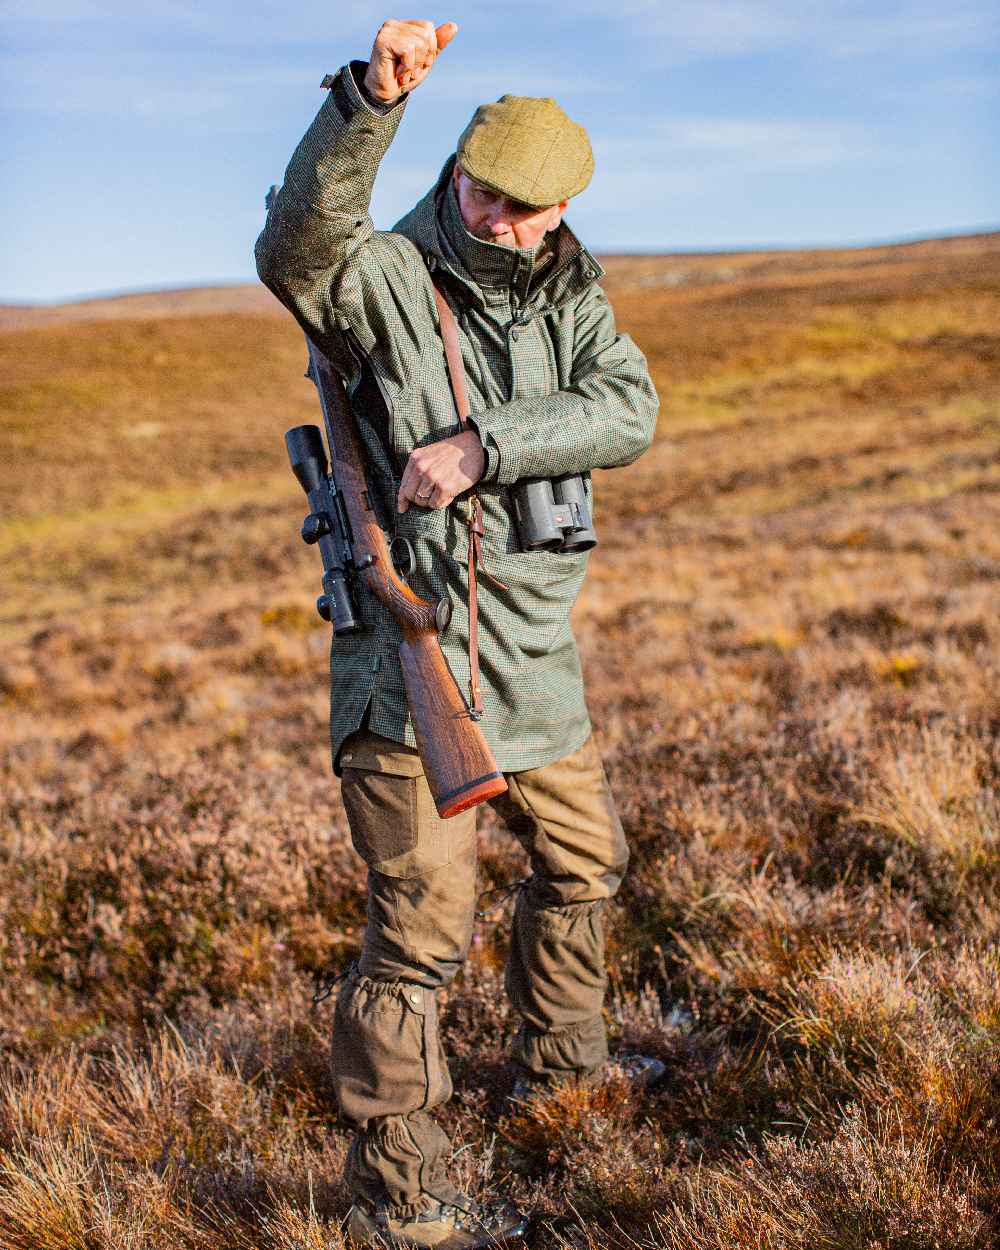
{"x":640,"y":1071}
{"x":471,"y":1226}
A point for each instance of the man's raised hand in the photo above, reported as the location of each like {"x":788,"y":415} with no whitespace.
{"x":403,"y":54}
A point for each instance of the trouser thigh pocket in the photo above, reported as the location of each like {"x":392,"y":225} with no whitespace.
{"x":394,"y":824}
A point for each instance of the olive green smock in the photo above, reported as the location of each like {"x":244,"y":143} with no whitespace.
{"x":553,"y":387}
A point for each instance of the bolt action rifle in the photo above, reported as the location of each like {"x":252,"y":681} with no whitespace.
{"x":457,"y":760}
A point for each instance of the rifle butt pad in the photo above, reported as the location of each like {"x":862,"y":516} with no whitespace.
{"x":458,"y":762}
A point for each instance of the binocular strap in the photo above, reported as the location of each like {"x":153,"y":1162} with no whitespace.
{"x":456,"y":374}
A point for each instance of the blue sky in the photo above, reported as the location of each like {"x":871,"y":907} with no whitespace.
{"x":141,"y":135}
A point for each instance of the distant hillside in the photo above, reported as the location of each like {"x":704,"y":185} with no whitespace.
{"x":138,"y":410}
{"x":671,"y":270}
{"x":248,"y":298}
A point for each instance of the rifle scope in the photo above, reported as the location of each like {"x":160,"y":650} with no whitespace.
{"x":326,"y":525}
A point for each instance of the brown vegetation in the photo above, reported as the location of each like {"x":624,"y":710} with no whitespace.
{"x":790,"y":631}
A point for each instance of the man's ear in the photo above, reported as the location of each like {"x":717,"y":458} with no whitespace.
{"x":561,"y":206}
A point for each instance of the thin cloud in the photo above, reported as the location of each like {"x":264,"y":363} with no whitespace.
{"x":843,"y":28}
{"x":134,"y":88}
{"x":765,"y":143}
{"x":154,"y":85}
{"x":920,"y":29}
{"x":54,"y":12}
{"x":488,"y":82}
{"x":707,"y":143}
{"x":233,"y":25}
{"x":973,"y":86}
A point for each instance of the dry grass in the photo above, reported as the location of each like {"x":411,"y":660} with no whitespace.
{"x":802,"y":577}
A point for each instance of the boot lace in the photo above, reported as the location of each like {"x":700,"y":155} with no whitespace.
{"x":487,"y":1215}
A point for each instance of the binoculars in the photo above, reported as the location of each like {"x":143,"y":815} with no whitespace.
{"x":551,"y":514}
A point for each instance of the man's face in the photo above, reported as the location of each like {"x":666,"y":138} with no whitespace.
{"x":496,"y":219}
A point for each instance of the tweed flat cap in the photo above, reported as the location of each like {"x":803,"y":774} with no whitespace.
{"x":526,"y":147}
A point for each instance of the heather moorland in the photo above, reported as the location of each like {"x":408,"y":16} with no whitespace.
{"x":790,"y":634}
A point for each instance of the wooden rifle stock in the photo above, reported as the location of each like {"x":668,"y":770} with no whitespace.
{"x":457,"y":760}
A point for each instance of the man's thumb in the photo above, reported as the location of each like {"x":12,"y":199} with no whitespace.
{"x":445,"y":34}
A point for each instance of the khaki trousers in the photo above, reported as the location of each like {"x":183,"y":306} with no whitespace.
{"x":388,"y":1065}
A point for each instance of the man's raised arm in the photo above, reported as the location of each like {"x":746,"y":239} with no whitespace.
{"x":319,"y":221}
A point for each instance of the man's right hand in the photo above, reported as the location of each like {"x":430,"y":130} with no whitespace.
{"x":402,"y":56}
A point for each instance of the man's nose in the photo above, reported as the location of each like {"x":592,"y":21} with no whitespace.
{"x":501,"y":219}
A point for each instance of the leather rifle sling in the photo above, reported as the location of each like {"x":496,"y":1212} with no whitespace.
{"x":456,"y":373}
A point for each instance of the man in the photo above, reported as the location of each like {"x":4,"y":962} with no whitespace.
{"x":554,"y":390}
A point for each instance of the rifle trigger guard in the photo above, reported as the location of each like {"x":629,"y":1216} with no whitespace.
{"x":404,"y":558}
